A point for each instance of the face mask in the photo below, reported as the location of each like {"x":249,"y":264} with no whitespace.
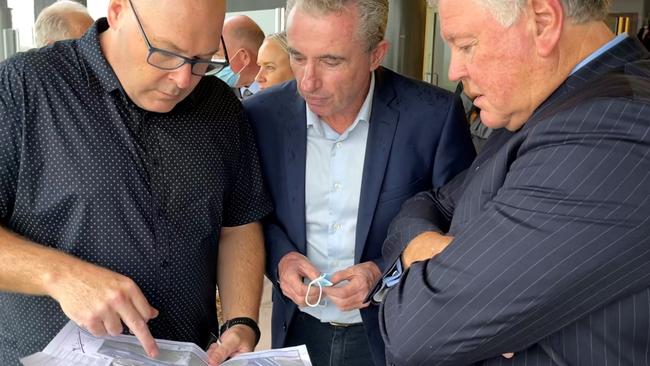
{"x":321,"y":281}
{"x":228,"y":76}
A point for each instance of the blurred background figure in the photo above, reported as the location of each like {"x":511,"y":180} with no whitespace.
{"x":273,"y":60}
{"x":477,"y":129}
{"x":61,"y":20}
{"x":243,"y":38}
{"x":644,"y":33}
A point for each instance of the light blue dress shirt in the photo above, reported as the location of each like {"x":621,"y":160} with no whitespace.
{"x":332,"y":191}
{"x":618,"y":39}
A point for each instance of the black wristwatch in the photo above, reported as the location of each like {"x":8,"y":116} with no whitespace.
{"x":243,"y":321}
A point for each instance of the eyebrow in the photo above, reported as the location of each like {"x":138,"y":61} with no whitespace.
{"x":455,"y":37}
{"x":294,"y":52}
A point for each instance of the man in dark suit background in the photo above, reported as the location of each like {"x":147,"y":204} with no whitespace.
{"x":542,"y":247}
{"x":341,"y":148}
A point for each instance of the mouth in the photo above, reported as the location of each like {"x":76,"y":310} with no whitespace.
{"x":167,"y":95}
{"x":315,"y":100}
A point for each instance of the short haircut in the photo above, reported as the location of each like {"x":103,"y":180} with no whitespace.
{"x":373,"y":15}
{"x":578,"y":11}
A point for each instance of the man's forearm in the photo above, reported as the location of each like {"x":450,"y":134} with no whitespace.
{"x":27,"y":267}
{"x":241,"y":270}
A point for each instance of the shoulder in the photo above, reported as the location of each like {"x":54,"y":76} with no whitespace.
{"x":276,"y":97}
{"x":272,"y":104}
{"x":47,"y":61}
{"x":411,"y":91}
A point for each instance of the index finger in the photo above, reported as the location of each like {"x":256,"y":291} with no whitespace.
{"x":342,"y":275}
{"x":138,"y":326}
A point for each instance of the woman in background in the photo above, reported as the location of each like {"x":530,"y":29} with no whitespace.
{"x":273,"y":59}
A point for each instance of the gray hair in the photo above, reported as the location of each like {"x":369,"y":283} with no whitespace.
{"x":281,"y":39}
{"x":578,"y":11}
{"x":373,"y":15}
{"x":53,"y":24}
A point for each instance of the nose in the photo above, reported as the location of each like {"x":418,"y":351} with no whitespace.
{"x":457,"y":68}
{"x":310,"y":81}
{"x":182,"y":76}
{"x":260,"y":77}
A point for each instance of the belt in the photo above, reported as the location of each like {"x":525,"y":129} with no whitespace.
{"x":344,"y":325}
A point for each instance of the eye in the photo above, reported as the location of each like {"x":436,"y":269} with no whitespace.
{"x":466,"y":48}
{"x":299,"y":59}
{"x":331,"y":62}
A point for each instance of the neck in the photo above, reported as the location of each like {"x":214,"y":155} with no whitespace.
{"x":576,"y":43}
{"x":581,"y":40}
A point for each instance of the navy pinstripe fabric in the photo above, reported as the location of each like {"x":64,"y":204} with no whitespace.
{"x":551,"y":256}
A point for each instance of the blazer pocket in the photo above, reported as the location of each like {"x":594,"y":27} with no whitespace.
{"x":403,"y":192}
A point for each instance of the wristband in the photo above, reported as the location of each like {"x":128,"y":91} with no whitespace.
{"x":243,"y":321}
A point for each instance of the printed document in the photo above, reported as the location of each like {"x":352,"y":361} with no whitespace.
{"x":75,"y":346}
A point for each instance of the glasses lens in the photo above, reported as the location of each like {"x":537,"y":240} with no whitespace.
{"x":165,"y":60}
{"x":207,"y":68}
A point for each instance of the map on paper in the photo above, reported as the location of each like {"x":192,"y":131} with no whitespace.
{"x":74,"y":346}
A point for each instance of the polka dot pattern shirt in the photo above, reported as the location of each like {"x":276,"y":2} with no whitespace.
{"x":84,"y":170}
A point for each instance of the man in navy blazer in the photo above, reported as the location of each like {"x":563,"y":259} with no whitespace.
{"x":341,"y":148}
{"x":543,"y":245}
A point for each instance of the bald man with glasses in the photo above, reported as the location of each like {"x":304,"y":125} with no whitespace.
{"x":129,"y":186}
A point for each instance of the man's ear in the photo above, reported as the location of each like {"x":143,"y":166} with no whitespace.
{"x":548,"y":17}
{"x":117,"y":10}
{"x":377,"y":55}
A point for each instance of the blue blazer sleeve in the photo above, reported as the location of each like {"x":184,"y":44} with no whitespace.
{"x":566,"y":232}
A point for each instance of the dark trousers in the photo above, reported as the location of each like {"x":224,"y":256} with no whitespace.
{"x":330,"y":345}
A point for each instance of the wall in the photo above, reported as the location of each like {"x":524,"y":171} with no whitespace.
{"x":631,"y":6}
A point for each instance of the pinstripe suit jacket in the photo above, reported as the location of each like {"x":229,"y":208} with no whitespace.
{"x":551,"y":256}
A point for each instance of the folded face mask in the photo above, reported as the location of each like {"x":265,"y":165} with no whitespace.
{"x":321,"y":281}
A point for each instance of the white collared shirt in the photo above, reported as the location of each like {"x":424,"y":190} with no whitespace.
{"x":332,"y":190}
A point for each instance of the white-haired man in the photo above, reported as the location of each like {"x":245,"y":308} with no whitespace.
{"x":61,"y":20}
{"x":542,"y":247}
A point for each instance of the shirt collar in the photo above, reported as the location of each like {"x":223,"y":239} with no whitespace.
{"x":363,"y":115}
{"x":254,"y":88}
{"x":607,"y":46}
{"x":90,"y":49}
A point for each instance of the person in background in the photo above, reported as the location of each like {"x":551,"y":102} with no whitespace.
{"x":273,"y":60}
{"x":242,"y":38}
{"x":129,"y":186}
{"x":542,"y":246}
{"x":61,"y":20}
{"x":477,"y":129}
{"x":342,"y":147}
{"x":644,"y":34}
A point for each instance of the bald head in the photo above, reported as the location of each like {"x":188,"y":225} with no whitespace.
{"x":61,"y":20}
{"x":189,"y":29}
{"x":243,"y":38}
{"x":241,"y":31}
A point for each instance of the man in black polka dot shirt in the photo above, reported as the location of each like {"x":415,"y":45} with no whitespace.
{"x":129,"y":185}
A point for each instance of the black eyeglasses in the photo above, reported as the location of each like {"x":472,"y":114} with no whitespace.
{"x":167,"y":60}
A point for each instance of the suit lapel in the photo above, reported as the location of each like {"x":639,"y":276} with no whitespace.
{"x":383,"y":123}
{"x":295,"y":152}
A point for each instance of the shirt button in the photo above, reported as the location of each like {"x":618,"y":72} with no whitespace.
{"x":337,"y":186}
{"x":335,"y":227}
{"x":338,"y":145}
